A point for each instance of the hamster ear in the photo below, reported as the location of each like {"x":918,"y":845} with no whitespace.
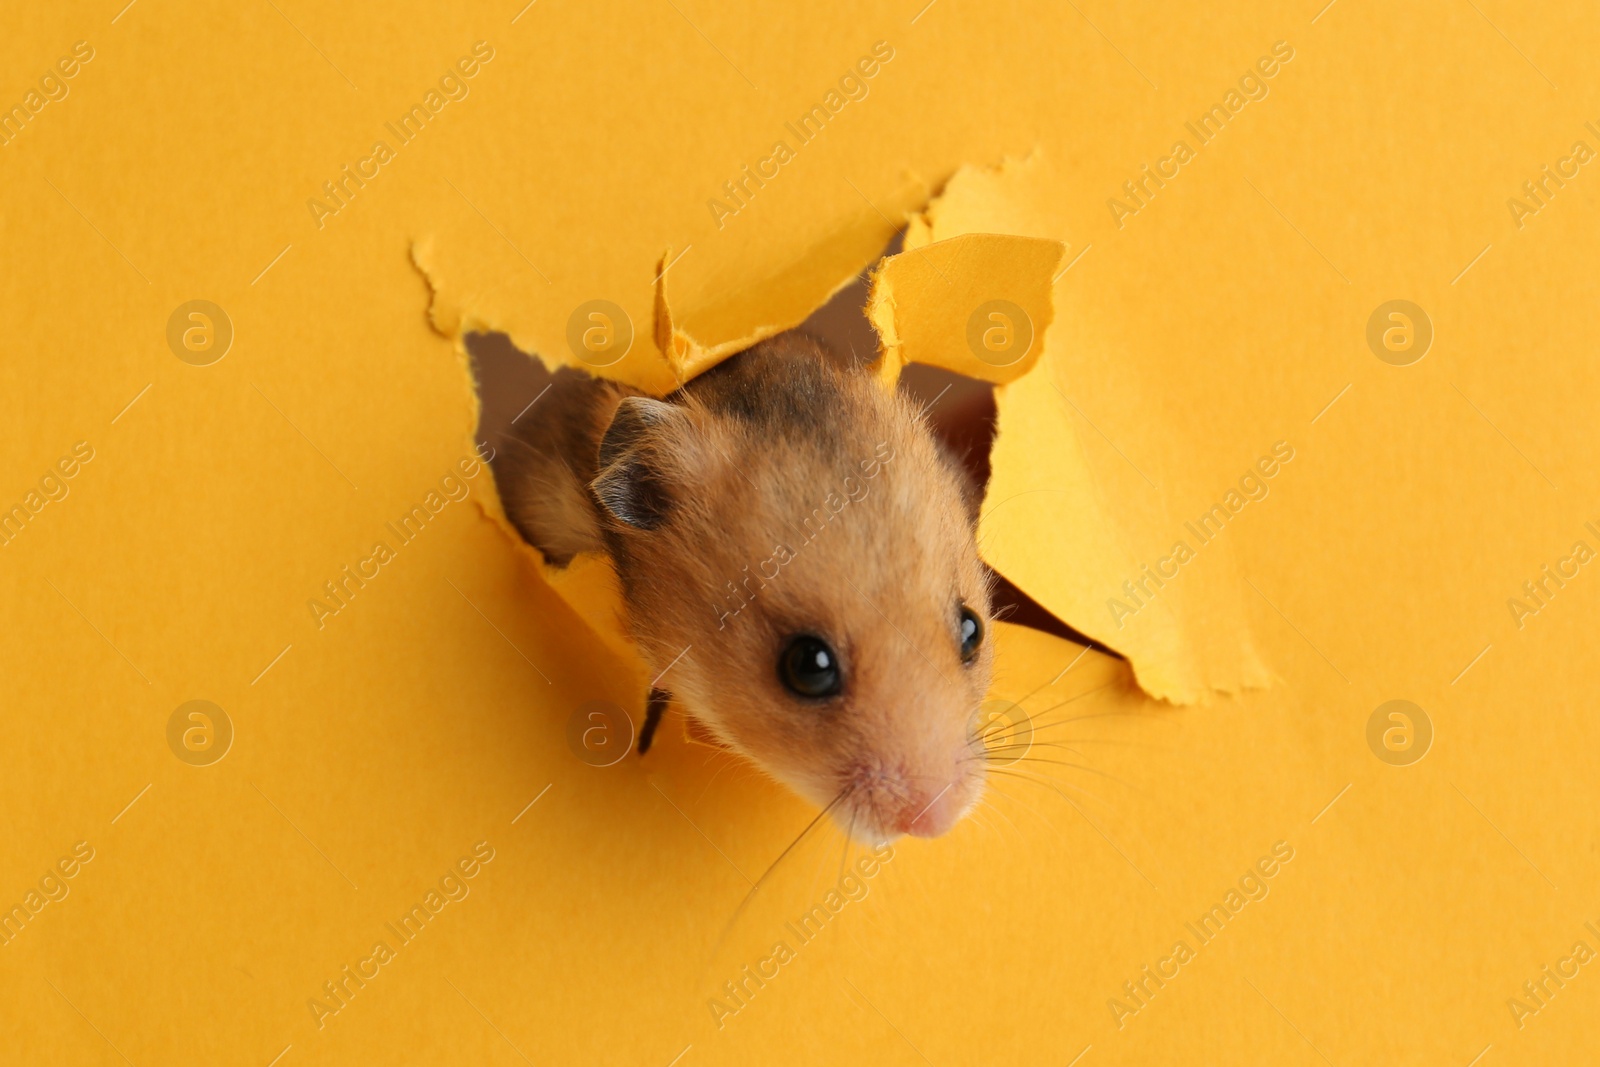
{"x":638,"y":461}
{"x":631,"y":426}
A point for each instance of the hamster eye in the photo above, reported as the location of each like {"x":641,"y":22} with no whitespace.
{"x":809,"y":667}
{"x":971,"y":634}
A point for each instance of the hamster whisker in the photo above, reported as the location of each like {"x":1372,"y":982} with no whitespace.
{"x":977,"y":817}
{"x":844,"y":853}
{"x":726,"y":763}
{"x":835,"y":802}
{"x":1066,"y":744}
{"x":1032,"y":779}
{"x":995,"y":747}
{"x":998,"y":748}
{"x":1046,"y":782}
{"x":1013,"y":772}
{"x":1110,"y":741}
{"x":759,"y":882}
{"x":996,"y":809}
{"x":1035,"y":691}
{"x":1077,"y":766}
{"x":1032,"y":744}
{"x":1037,"y":726}
{"x":1063,"y":742}
{"x":513,"y":439}
{"x":1027,"y":807}
{"x":1078,"y":696}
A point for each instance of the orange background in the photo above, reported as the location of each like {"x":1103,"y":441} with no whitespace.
{"x":1227,"y":314}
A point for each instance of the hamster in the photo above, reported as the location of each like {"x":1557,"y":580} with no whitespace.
{"x":797,"y":557}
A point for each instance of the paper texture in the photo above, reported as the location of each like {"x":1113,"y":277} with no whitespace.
{"x":288,"y":770}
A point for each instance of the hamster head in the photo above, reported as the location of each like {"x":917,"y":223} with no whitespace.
{"x":799,"y":556}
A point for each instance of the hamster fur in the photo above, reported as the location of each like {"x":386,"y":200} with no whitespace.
{"x":780,"y":496}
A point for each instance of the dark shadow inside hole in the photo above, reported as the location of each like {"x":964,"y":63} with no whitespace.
{"x":961,"y":413}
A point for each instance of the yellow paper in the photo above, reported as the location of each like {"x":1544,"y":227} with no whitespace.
{"x":416,"y":726}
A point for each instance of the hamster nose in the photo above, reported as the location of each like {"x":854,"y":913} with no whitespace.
{"x":924,"y":816}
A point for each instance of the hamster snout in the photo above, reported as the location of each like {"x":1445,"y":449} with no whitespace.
{"x":886,"y":801}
